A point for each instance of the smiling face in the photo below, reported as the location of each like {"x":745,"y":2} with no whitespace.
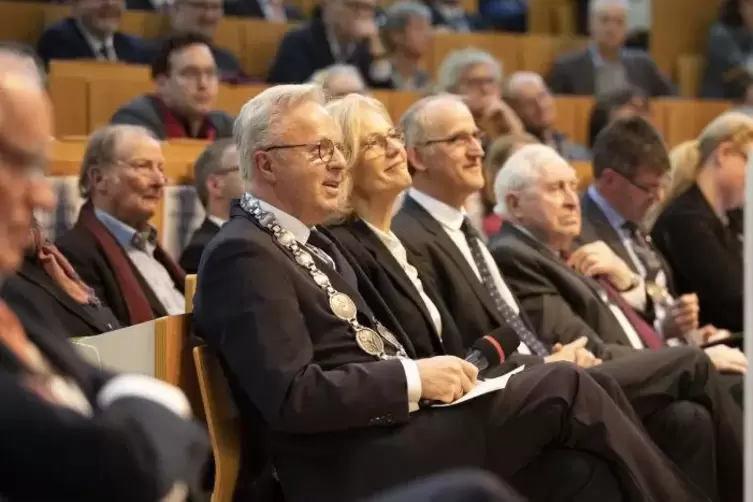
{"x":451,"y":161}
{"x":304,"y":164}
{"x":381,"y":168}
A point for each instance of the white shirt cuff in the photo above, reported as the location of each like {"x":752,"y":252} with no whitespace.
{"x":144,"y":387}
{"x":381,"y":70}
{"x":636,"y":297}
{"x":413,"y":381}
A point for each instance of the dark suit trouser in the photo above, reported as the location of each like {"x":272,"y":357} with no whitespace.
{"x":454,"y":486}
{"x":549,"y":406}
{"x":677,"y":392}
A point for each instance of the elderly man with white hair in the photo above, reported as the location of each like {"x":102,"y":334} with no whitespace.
{"x":536,"y":192}
{"x":606,"y":65}
{"x":333,"y":391}
{"x":340,"y":80}
{"x":528,"y":95}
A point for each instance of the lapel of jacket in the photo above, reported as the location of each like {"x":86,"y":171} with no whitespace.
{"x":586,"y":73}
{"x":388,"y":262}
{"x":445,"y":244}
{"x":595,"y":220}
{"x":39,"y":277}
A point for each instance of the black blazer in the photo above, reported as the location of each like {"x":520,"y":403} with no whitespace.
{"x":64,"y":40}
{"x":251,"y":8}
{"x":576,"y":74}
{"x":305,"y":50}
{"x":562,"y":304}
{"x":135,"y":446}
{"x":89,"y":261}
{"x":393,"y":285}
{"x":442,"y":265}
{"x":705,"y":256}
{"x":189,"y":258}
{"x":77,"y":320}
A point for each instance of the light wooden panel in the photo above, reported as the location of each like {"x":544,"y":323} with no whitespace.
{"x":22,"y":22}
{"x":260,"y":40}
{"x":70,"y":96}
{"x":684,"y":119}
{"x":113,"y":71}
{"x":544,"y":15}
{"x":105,"y":99}
{"x":400,"y":101}
{"x":679,"y":27}
{"x":573,"y":113}
{"x":505,"y":48}
{"x":689,"y":73}
{"x":231,"y":99}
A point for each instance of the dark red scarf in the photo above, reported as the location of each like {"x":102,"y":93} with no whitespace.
{"x":176,"y":127}
{"x":139,"y":309}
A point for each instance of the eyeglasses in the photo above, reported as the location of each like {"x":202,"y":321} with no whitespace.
{"x":227,"y":170}
{"x":195,"y":74}
{"x":461,"y":138}
{"x":325,"y":148}
{"x":652,"y":190}
{"x":382,"y":141}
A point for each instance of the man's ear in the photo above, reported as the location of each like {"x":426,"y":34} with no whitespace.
{"x":512,"y":202}
{"x":98,"y":180}
{"x":414,"y":160}
{"x":265,"y":166}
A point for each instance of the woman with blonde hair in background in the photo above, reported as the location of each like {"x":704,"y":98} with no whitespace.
{"x":693,"y":229}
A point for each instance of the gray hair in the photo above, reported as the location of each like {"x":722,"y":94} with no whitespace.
{"x":261,"y":114}
{"x":100,"y":151}
{"x":519,"y":79}
{"x":209,"y":162}
{"x":457,"y":62}
{"x":414,"y":123}
{"x":596,"y":6}
{"x":521,"y":170}
{"x":25,"y":54}
{"x":398,"y":15}
{"x":322,"y":77}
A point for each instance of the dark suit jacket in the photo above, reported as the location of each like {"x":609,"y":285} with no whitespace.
{"x":727,"y":51}
{"x":705,"y":256}
{"x":251,"y":8}
{"x":95,"y":267}
{"x":143,"y":111}
{"x":562,"y":304}
{"x":64,"y":40}
{"x":31,"y":281}
{"x":475,"y":23}
{"x":305,"y":50}
{"x":135,"y":446}
{"x":576,"y":74}
{"x":329,"y":413}
{"x":189,"y":258}
{"x":442,"y":265}
{"x":393,"y":285}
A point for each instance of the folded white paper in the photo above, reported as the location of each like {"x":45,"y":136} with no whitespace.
{"x":484,"y":387}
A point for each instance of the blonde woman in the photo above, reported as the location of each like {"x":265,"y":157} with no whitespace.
{"x":693,"y":230}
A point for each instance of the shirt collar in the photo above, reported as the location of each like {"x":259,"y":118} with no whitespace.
{"x":126,"y":234}
{"x":448,"y":216}
{"x":613,"y":216}
{"x":290,"y":223}
{"x":95,"y":43}
{"x":217,"y":221}
{"x":388,"y":238}
{"x":596,"y":55}
{"x":339,"y":53}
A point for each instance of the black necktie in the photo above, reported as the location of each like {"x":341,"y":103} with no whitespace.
{"x":341,"y":265}
{"x":644,"y":250}
{"x":103,"y":53}
{"x":504,"y":308}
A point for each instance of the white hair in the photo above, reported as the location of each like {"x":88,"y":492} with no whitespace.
{"x":522,"y":169}
{"x":261,"y":114}
{"x":597,"y":6}
{"x":519,"y":79}
{"x":413,"y":123}
{"x":457,"y":62}
{"x":322,"y":77}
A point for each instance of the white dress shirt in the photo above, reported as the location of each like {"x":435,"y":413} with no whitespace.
{"x":379,"y":70}
{"x":97,"y":45}
{"x":217,"y":221}
{"x":397,"y":250}
{"x":301,"y":233}
{"x":451,"y":219}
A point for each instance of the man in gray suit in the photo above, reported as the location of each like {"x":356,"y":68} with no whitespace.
{"x":606,"y":64}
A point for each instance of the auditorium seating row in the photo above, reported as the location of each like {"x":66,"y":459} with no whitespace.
{"x":86,"y":94}
{"x":678,"y":28}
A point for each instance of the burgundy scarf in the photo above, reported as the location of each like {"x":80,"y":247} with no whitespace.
{"x":176,"y":128}
{"x":139,"y":309}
